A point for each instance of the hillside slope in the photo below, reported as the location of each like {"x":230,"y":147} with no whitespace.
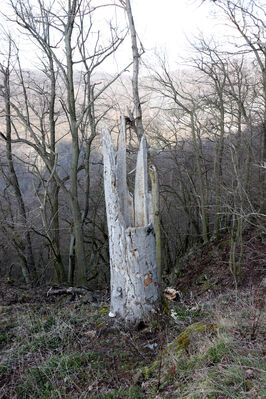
{"x":210,"y":345}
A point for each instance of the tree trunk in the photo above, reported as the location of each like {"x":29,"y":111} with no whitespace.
{"x":73,"y":194}
{"x":156,"y":216}
{"x":28,"y":265}
{"x":135,"y":77}
{"x":134,"y":277}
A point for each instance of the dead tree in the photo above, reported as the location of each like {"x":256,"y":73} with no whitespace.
{"x":135,"y":291}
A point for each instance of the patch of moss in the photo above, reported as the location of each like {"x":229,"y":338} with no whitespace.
{"x":104,"y":309}
{"x":182,"y":342}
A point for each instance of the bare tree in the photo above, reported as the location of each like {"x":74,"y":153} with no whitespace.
{"x":21,"y":241}
{"x":137,"y":122}
{"x":136,"y":54}
{"x":63,"y":36}
{"x":175,"y":94}
{"x":248,"y":18}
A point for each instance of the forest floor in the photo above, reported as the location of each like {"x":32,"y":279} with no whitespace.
{"x":209,"y":345}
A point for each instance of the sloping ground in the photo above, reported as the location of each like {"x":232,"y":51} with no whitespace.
{"x":210,"y":346}
{"x":221,"y":356}
{"x":206,"y":268}
{"x":68,"y":350}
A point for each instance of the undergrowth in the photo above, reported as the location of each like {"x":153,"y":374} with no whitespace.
{"x":213,"y":360}
{"x":212,"y":349}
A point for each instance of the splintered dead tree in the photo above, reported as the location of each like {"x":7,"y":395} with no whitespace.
{"x":134,"y":278}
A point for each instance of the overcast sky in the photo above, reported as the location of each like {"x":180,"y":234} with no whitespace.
{"x":168,"y":25}
{"x":162,"y":25}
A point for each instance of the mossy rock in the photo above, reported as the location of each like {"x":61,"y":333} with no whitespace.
{"x":181,"y":343}
{"x":177,"y":347}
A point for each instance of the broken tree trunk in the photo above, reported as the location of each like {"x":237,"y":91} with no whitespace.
{"x":134,"y":278}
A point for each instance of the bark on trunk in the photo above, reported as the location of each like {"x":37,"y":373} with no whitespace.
{"x":27,"y":265}
{"x":155,"y":203}
{"x":135,"y":78}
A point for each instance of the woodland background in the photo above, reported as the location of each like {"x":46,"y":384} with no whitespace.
{"x":205,"y":125}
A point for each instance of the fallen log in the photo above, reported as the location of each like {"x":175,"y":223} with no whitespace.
{"x":67,"y":290}
{"x":87,"y":296}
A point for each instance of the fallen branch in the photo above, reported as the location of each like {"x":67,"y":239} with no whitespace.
{"x":88,"y":296}
{"x":68,"y":290}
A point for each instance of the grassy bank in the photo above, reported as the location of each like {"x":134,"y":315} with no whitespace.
{"x":208,"y":348}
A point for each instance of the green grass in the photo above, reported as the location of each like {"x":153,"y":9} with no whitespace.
{"x":183,"y":313}
{"x":57,"y":351}
{"x":201,"y":364}
{"x":131,"y":393}
{"x":71,"y":369}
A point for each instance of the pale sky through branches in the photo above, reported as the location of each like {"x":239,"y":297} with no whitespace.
{"x":166,"y":26}
{"x":162,"y":25}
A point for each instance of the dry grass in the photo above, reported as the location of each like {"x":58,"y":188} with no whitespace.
{"x":212,"y":348}
{"x":226,"y":361}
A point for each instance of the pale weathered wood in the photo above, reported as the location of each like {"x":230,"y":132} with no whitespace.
{"x":134,"y":277}
{"x":116,"y":227}
{"x":141,"y":186}
{"x":131,"y":208}
{"x":121,"y":173}
{"x":142,"y":281}
{"x":67,"y":290}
